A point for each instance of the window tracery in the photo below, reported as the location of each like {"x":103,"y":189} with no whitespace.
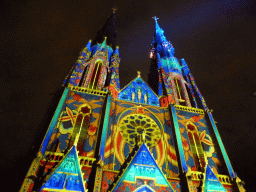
{"x":96,"y":73}
{"x":81,"y":125}
{"x":196,"y":146}
{"x":179,"y":91}
{"x":141,"y":127}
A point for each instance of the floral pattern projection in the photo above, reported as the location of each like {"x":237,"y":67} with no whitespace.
{"x":206,"y":140}
{"x":118,"y":147}
{"x":79,"y":107}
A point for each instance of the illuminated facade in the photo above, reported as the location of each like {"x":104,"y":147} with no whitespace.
{"x":159,"y":136}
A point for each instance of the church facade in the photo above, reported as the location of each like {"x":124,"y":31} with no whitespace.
{"x":156,"y":136}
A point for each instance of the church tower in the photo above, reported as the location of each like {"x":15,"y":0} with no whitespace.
{"x":159,"y":136}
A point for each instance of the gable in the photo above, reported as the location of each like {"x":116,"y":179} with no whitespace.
{"x":138,"y":91}
{"x":212,"y":183}
{"x":67,"y":176}
{"x":143,"y":167}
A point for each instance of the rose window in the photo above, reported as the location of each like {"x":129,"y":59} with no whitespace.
{"x":134,"y":125}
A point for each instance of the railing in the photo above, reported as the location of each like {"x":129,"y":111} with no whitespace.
{"x":190,"y":109}
{"x":224,"y":179}
{"x":53,"y":156}
{"x":56,"y":157}
{"x":86,"y":160}
{"x":197,"y":176}
{"x":87,"y":90}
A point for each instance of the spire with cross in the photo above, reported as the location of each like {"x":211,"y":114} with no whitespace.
{"x":155,"y":18}
{"x":114,"y":9}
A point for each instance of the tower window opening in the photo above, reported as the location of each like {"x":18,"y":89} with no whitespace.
{"x":96,"y":74}
{"x":179,"y":91}
{"x":81,"y":127}
{"x":196,"y":146}
{"x":192,"y":102}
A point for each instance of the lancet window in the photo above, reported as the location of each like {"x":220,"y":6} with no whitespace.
{"x":196,"y":146}
{"x":81,"y":126}
{"x":96,"y":74}
{"x":179,"y":91}
{"x":192,"y":103}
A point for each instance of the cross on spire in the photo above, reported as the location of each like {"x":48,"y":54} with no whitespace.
{"x":114,"y":9}
{"x":155,"y":18}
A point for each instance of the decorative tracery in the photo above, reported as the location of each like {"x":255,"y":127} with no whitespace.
{"x":96,"y":73}
{"x":179,"y":91}
{"x":82,"y":124}
{"x":196,"y":146}
{"x":141,"y":127}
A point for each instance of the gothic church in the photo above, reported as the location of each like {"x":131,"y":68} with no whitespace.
{"x":146,"y":137}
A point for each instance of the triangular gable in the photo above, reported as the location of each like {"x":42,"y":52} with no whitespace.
{"x":138,"y":91}
{"x":143,"y":165}
{"x":212,"y":183}
{"x":67,"y":176}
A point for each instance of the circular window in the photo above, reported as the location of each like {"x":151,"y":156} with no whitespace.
{"x":134,"y":125}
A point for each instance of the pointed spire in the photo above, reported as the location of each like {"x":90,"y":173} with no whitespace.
{"x":108,"y":30}
{"x":104,"y":43}
{"x":159,"y":34}
{"x":114,"y":9}
{"x":88,"y":46}
{"x":157,"y":26}
{"x":116,"y":51}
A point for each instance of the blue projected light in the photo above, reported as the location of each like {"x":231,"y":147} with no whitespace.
{"x":67,"y":175}
{"x":143,"y":165}
{"x":138,"y":91}
{"x":212,"y":183}
{"x":54,"y":121}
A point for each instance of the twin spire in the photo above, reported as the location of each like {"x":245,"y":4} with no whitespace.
{"x":159,"y":33}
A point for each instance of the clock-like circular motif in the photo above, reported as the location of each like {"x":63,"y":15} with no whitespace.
{"x":132,"y":126}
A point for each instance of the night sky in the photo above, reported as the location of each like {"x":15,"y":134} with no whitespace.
{"x":41,"y":40}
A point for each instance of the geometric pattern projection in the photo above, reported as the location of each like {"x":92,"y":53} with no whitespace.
{"x":135,"y":125}
{"x":144,"y":166}
{"x":144,"y":188}
{"x":212,"y":183}
{"x":67,"y":176}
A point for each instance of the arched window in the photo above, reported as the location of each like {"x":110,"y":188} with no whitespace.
{"x":196,"y":147}
{"x":95,"y":75}
{"x":179,"y":91}
{"x":192,"y":102}
{"x":81,"y":126}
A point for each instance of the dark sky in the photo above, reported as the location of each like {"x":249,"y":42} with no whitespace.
{"x":41,"y":40}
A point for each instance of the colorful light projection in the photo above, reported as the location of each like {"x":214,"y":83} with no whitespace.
{"x":212,"y":183}
{"x":179,"y":140}
{"x":138,"y":91}
{"x":67,"y":176}
{"x":143,"y":166}
{"x":54,"y":121}
{"x":133,"y":126}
